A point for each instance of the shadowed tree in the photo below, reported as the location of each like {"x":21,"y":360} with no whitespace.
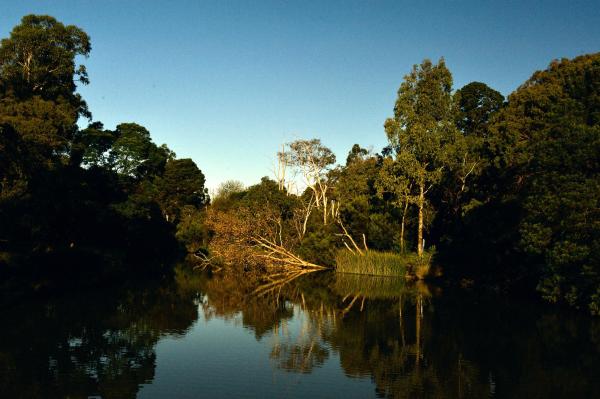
{"x":550,"y":131}
{"x":181,"y":184}
{"x":477,"y":103}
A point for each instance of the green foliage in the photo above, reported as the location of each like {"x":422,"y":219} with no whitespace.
{"x":38,"y":78}
{"x":423,"y":130}
{"x":361,"y":210}
{"x":181,"y":184}
{"x":477,"y":103}
{"x":130,"y":149}
{"x":39,"y":58}
{"x":311,"y":154}
{"x":356,"y":153}
{"x":84,"y":203}
{"x":191,"y":230}
{"x":554,"y":123}
{"x":319,"y":246}
{"x":508,"y":191}
{"x":91,"y":146}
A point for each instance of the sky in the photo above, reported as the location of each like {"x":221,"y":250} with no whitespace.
{"x":227,"y":82}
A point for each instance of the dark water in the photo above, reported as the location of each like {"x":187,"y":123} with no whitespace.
{"x":319,"y":336}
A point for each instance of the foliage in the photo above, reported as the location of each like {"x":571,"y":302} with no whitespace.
{"x":421,"y":130}
{"x":360,"y":208}
{"x":181,"y":184}
{"x":553,"y":122}
{"x":192,"y":230}
{"x":226,"y":191}
{"x":80,"y":203}
{"x":507,"y":190}
{"x":477,"y":103}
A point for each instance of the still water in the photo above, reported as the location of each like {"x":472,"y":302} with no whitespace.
{"x":322,"y":335}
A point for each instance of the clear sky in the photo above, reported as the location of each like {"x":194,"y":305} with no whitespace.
{"x":226,"y":82}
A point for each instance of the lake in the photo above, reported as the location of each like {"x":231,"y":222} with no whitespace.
{"x":321,"y":335}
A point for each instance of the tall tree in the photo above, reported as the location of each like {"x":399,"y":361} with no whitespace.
{"x":394,"y":183}
{"x":38,"y":77}
{"x":422,"y":126}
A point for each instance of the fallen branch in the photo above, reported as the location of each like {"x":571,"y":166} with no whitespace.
{"x":346,"y":234}
{"x":278,"y":253}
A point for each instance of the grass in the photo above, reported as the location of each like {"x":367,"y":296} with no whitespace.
{"x":377,"y":263}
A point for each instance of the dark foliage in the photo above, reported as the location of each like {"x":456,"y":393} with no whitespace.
{"x":79,"y":204}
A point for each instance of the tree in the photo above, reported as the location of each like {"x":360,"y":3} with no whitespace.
{"x":393,"y":181}
{"x":228,"y":188}
{"x":181,"y":184}
{"x":39,"y":59}
{"x":313,"y":160}
{"x":133,"y":153}
{"x":477,"y":103}
{"x":38,"y":78}
{"x":356,"y":153}
{"x":548,"y":142}
{"x":422,"y":126}
{"x":131,"y":149}
{"x":91,"y":146}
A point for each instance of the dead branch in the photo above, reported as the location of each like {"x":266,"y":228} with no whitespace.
{"x":346,"y":234}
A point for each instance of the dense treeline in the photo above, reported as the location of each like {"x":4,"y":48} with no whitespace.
{"x":505,"y":191}
{"x":79,"y":202}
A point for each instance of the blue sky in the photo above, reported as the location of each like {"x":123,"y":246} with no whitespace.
{"x":226,"y":82}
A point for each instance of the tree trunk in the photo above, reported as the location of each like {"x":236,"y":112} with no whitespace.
{"x":420,"y":228}
{"x":402,"y":227}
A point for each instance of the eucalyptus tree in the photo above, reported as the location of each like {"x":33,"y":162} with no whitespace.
{"x":38,"y":82}
{"x":421,"y":129}
{"x":314,"y":161}
{"x":392,"y":180}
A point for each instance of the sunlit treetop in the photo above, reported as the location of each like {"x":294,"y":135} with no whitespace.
{"x":39,"y":59}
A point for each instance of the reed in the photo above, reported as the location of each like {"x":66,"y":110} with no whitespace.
{"x":377,"y":263}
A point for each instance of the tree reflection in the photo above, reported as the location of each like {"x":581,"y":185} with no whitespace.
{"x":414,"y":342}
{"x":409,"y":339}
{"x":97,"y":344}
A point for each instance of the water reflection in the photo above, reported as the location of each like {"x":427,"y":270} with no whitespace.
{"x":89,"y":345}
{"x":405,"y":340}
{"x":413,"y":340}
